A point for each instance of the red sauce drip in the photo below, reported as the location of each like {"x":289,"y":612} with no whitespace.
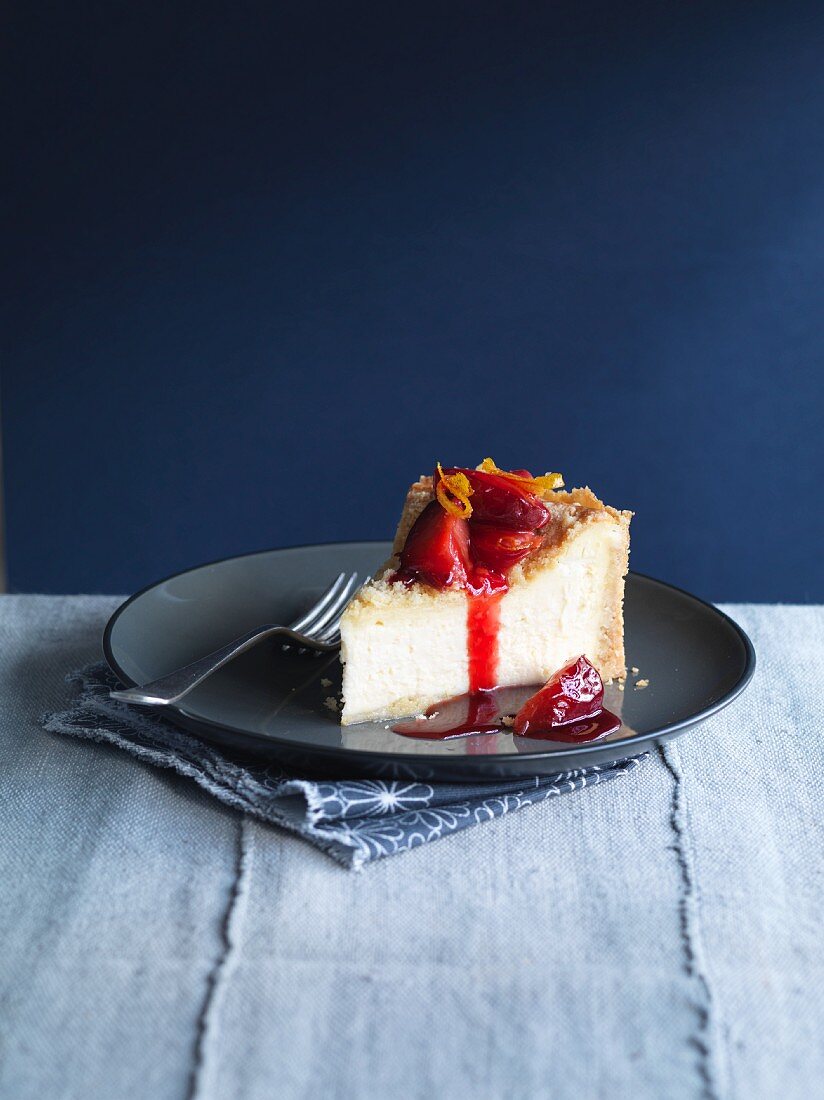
{"x":475,"y":712}
{"x":483,"y":618}
{"x":482,"y":712}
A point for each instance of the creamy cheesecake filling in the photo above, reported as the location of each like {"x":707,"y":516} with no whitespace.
{"x":497,"y":579}
{"x":405,"y":648}
{"x":563,"y":610}
{"x":398,"y":645}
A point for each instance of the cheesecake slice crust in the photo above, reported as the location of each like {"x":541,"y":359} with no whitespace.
{"x":404,"y":646}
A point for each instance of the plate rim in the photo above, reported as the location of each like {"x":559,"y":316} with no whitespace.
{"x":596,"y":748}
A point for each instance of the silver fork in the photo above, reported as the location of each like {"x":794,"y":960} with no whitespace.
{"x":318,"y":629}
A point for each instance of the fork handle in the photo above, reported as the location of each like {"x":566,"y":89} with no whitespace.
{"x":173,"y":688}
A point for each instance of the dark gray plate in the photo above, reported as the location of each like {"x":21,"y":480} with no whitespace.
{"x":271,"y":703}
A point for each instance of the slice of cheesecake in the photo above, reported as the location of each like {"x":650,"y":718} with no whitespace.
{"x":496,"y":579}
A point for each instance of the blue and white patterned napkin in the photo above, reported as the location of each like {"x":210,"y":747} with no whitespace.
{"x":353,"y":821}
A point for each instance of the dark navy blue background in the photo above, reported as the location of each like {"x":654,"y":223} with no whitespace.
{"x":269,"y":262}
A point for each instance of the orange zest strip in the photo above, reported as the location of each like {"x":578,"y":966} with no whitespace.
{"x":537,"y":485}
{"x":547,"y":482}
{"x":453,"y":492}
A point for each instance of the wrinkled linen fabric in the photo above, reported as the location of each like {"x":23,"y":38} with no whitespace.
{"x":354,"y":821}
{"x":654,"y":937}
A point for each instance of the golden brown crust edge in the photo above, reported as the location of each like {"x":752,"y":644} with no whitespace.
{"x":419,"y":495}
